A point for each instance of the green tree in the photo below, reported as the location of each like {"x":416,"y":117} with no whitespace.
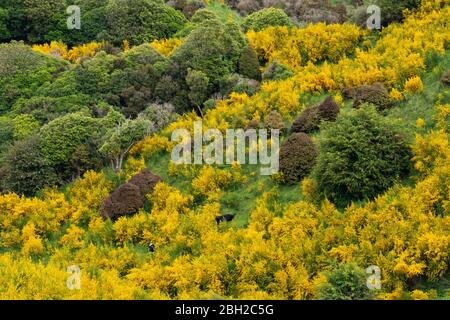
{"x":4,"y":31}
{"x":211,"y":49}
{"x":24,"y":125}
{"x":360,"y":155}
{"x":44,"y":19}
{"x":23,"y":72}
{"x":198,"y":86}
{"x":268,"y":17}
{"x":70,"y":144}
{"x":6,"y":132}
{"x":140,"y":21}
{"x":25,"y":169}
{"x":392,"y":10}
{"x":249,"y":64}
{"x":203,"y":15}
{"x":118,"y":141}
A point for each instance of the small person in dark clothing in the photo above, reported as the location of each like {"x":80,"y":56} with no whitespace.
{"x":225,"y":217}
{"x":151,"y":248}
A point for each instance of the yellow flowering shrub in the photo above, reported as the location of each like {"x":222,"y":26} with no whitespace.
{"x":419,"y":295}
{"x":430,"y":149}
{"x":211,"y":181}
{"x":73,"y":238}
{"x":296,"y":47}
{"x":75,"y":54}
{"x":166,"y":47}
{"x":32,"y":243}
{"x":413,"y":85}
{"x":152,"y":145}
{"x":396,"y":95}
{"x":420,"y":123}
{"x":133,"y":166}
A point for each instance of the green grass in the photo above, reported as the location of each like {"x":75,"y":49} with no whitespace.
{"x":224,"y":12}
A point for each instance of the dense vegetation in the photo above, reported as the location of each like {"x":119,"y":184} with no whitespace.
{"x":86,"y":178}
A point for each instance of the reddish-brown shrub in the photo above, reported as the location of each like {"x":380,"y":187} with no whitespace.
{"x":297,"y":157}
{"x":126,"y":199}
{"x":145,"y":181}
{"x":375,"y":94}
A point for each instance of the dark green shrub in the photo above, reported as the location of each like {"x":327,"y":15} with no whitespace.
{"x":23,"y":71}
{"x":297,"y":157}
{"x":4,"y":31}
{"x":248,"y":86}
{"x":236,"y":83}
{"x":25,"y":169}
{"x":309,"y":120}
{"x":140,"y":21}
{"x":248,"y":64}
{"x":264,"y":18}
{"x":375,"y":94}
{"x":275,"y":121}
{"x":6,"y":132}
{"x":211,"y":49}
{"x":360,"y":155}
{"x":345,"y":282}
{"x":70,"y":144}
{"x":392,"y":10}
{"x":276,"y":71}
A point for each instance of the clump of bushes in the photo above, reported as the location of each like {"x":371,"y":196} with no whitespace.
{"x":264,"y":18}
{"x":248,"y":64}
{"x":345,"y":282}
{"x":25,"y":169}
{"x":309,"y":120}
{"x":274,"y":120}
{"x":129,"y":197}
{"x":376,"y":94}
{"x":297,"y":157}
{"x":276,"y":71}
{"x":360,"y":156}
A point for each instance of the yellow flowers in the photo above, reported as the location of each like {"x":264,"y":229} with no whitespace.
{"x":297,"y":47}
{"x":152,"y":145}
{"x":32,"y":243}
{"x":413,"y":85}
{"x":210,"y":181}
{"x":430,"y":149}
{"x":396,"y":95}
{"x":60,"y":50}
{"x":73,"y":238}
{"x":166,"y":47}
{"x":133,"y":166}
{"x":420,"y":123}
